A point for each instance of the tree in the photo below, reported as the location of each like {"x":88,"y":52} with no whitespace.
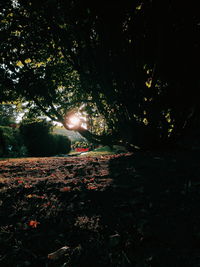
{"x":7,"y":114}
{"x":135,"y":63}
{"x":39,"y":141}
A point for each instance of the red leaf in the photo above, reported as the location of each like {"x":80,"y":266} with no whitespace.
{"x":92,"y":187}
{"x":65,"y":189}
{"x":33,"y":224}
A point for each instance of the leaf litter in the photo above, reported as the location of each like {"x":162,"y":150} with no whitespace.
{"x":119,"y":210}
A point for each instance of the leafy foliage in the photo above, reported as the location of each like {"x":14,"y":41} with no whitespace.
{"x":40,"y":142}
{"x":133,"y":64}
{"x":11,"y":143}
{"x":80,"y":144}
{"x":7,"y":114}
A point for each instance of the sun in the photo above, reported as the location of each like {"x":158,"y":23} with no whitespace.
{"x":74,"y":120}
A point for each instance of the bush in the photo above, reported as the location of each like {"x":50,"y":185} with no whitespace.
{"x":11,"y":143}
{"x":59,"y":144}
{"x":80,"y":144}
{"x":40,"y":142}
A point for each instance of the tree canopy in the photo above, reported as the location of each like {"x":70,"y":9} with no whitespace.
{"x":135,"y":63}
{"x":8,"y":114}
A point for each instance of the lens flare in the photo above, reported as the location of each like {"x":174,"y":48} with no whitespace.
{"x":74,"y":120}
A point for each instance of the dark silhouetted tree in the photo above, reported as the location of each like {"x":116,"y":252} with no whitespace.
{"x":134,"y":62}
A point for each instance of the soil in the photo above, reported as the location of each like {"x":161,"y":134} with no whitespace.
{"x":139,"y":209}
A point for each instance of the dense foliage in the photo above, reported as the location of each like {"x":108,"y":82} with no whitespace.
{"x":7,"y":114}
{"x":134,"y":63}
{"x":11,"y":143}
{"x":40,"y":142}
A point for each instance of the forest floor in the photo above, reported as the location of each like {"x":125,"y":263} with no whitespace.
{"x":139,"y":210}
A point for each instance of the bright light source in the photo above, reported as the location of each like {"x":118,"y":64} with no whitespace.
{"x":74,"y":120}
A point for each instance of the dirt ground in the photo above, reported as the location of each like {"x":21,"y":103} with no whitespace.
{"x":139,"y":209}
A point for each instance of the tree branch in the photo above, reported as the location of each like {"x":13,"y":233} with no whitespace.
{"x":45,"y":112}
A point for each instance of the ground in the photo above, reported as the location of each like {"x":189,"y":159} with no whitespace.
{"x":139,"y":209}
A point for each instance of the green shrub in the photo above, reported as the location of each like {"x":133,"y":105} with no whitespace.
{"x":60,"y":144}
{"x":11,"y":143}
{"x":81,"y":144}
{"x":40,"y":142}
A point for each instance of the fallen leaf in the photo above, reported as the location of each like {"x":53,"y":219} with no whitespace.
{"x":58,"y":253}
{"x":35,"y":196}
{"x":33,"y":223}
{"x":28,"y":186}
{"x":92,"y":187}
{"x":65,"y":189}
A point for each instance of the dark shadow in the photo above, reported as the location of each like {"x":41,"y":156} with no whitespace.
{"x":143,"y":212}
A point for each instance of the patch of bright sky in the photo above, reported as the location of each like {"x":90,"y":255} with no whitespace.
{"x":15,"y":3}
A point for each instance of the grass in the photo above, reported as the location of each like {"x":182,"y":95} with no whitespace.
{"x":100,"y":151}
{"x":97,"y":153}
{"x":105,"y":150}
